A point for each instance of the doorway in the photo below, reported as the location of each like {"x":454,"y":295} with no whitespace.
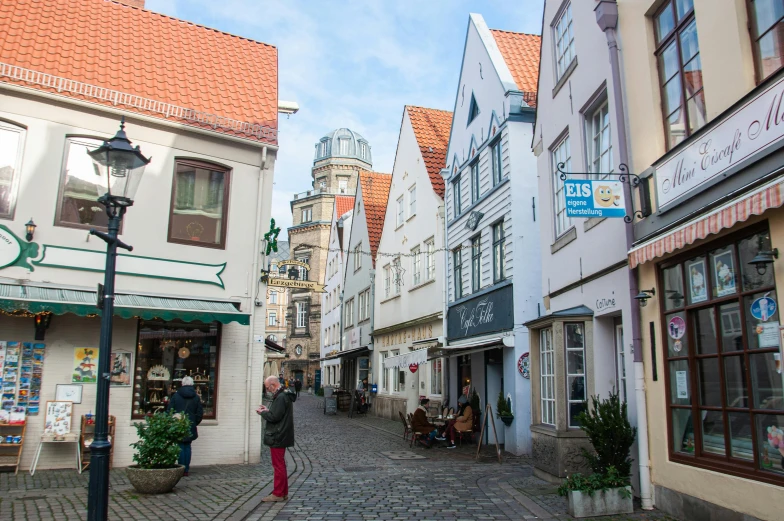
{"x":463,"y":375}
{"x":494,"y":384}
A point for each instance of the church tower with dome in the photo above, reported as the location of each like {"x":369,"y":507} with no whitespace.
{"x":339,"y":156}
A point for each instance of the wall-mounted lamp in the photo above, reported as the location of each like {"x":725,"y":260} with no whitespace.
{"x":764,"y":257}
{"x":42,"y":321}
{"x":30,"y":229}
{"x":644,"y":295}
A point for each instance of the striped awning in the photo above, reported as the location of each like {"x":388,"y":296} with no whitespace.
{"x":82,"y":302}
{"x":770,"y":195}
{"x":417,"y":357}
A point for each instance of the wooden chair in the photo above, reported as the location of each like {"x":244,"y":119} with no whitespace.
{"x":414,"y":435}
{"x":406,"y":426}
{"x":451,"y":411}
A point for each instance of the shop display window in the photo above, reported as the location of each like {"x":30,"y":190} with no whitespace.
{"x":720,"y":316}
{"x":169,"y":351}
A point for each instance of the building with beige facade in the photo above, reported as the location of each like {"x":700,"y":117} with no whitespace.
{"x":339,"y":156}
{"x":704,"y":86}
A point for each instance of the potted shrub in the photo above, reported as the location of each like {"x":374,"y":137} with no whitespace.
{"x":156,"y":470}
{"x":503,"y":409}
{"x":607,"y":490}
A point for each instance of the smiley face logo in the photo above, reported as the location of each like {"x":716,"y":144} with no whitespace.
{"x":604,"y":197}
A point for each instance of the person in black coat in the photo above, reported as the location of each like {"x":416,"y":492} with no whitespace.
{"x":185,"y":401}
{"x":278,"y":434}
{"x":298,"y":386}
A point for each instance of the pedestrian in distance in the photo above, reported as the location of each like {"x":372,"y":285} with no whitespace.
{"x":297,"y":386}
{"x":186,"y":402}
{"x":278,"y":435}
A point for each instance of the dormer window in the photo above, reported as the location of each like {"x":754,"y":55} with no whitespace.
{"x":344,"y":147}
{"x":362,"y":150}
{"x":473,"y":110}
{"x":323,"y":148}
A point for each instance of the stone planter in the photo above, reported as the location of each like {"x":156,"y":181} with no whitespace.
{"x":601,"y":502}
{"x":154,"y":481}
{"x":507,"y":420}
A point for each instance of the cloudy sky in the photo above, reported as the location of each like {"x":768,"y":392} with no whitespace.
{"x":354,"y":64}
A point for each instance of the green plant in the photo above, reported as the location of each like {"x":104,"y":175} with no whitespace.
{"x":607,"y":426}
{"x":474,"y":402}
{"x":590,"y":484}
{"x":320,"y":391}
{"x":502,"y":406}
{"x":159,"y":438}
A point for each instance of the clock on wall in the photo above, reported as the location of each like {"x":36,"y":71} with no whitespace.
{"x":298,"y":350}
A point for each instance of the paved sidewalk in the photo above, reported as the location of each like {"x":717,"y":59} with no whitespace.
{"x":341,"y":469}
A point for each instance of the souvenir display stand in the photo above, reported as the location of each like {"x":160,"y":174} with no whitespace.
{"x":86,"y":434}
{"x":57,"y":429}
{"x":11,"y":451}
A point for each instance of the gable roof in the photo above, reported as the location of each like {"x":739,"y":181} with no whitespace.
{"x":431,"y":129}
{"x":343,"y":204}
{"x":521,"y":54}
{"x":173,"y":69}
{"x":375,"y":193}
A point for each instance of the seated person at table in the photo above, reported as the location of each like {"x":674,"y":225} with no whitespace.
{"x":420,"y":424}
{"x":463,"y":422}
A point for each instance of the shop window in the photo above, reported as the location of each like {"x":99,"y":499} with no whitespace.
{"x":767,"y":30}
{"x":199,"y":206}
{"x":167,"y":352}
{"x":385,"y":373}
{"x":725,"y":397}
{"x":399,"y":385}
{"x":80,"y":187}
{"x":680,"y":70}
{"x":547,"y":370}
{"x":435,"y":375}
{"x":11,"y":146}
{"x":575,"y":371}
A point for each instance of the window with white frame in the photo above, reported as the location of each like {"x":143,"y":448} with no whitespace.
{"x":499,"y":248}
{"x":357,"y":256}
{"x":326,"y":337}
{"x":343,"y":147}
{"x":387,"y":280}
{"x":272,"y":318}
{"x":561,"y":154}
{"x":575,"y":371}
{"x":430,"y":259}
{"x":11,"y":146}
{"x":399,"y":383}
{"x":385,"y":373}
{"x":599,"y":144}
{"x":456,"y":198}
{"x":475,"y":181}
{"x":349,"y":312}
{"x":416,"y":265}
{"x":495,"y":153}
{"x":436,"y":369}
{"x":273,"y":297}
{"x":547,"y":370}
{"x":400,"y":211}
{"x":364,"y":305}
{"x":412,"y":201}
{"x":307,"y":214}
{"x":342,"y":186}
{"x":564,"y":42}
{"x":302,"y":314}
{"x":303,"y":272}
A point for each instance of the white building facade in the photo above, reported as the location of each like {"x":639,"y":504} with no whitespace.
{"x":493,"y":265}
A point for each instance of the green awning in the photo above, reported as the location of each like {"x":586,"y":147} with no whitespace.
{"x":59,"y":301}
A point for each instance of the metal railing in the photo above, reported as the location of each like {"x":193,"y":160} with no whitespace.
{"x":66,"y":86}
{"x":320,"y":191}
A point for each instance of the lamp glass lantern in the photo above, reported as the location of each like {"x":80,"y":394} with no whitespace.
{"x":120,"y":167}
{"x":763,"y":257}
{"x":30,"y":229}
{"x":643,"y":296}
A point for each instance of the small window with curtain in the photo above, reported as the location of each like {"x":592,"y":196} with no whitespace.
{"x":199,"y":207}
{"x":80,"y":187}
{"x":767,"y":29}
{"x":11,"y":145}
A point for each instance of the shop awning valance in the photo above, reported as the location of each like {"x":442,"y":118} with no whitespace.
{"x":406,"y":359}
{"x":770,"y":195}
{"x":82,"y":302}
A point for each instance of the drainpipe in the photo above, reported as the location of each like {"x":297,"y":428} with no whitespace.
{"x":607,"y":18}
{"x":252,"y":327}
{"x":442,"y":217}
{"x":372,"y":321}
{"x":340,"y":328}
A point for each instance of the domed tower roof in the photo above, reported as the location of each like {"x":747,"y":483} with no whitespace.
{"x":343,"y":143}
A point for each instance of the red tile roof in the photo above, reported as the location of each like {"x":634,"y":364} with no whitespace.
{"x":431,"y":129}
{"x":344,"y":203}
{"x":163,"y":60}
{"x":521,"y":54}
{"x":375,"y":193}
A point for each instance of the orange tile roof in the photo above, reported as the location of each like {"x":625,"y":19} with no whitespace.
{"x":344,"y":203}
{"x":375,"y":193}
{"x":163,"y":60}
{"x":521,"y":54}
{"x":431,"y":129}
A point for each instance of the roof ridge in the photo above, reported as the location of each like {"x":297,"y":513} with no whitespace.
{"x":428,"y":108}
{"x":156,"y":13}
{"x":515,"y":32}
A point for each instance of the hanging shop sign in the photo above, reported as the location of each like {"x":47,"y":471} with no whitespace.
{"x":755,"y":125}
{"x":594,"y":198}
{"x":297,"y":284}
{"x":295,"y":263}
{"x":483,"y":314}
{"x":524,"y":365}
{"x":413,"y":368}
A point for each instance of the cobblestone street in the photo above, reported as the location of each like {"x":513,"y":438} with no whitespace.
{"x":341,"y":468}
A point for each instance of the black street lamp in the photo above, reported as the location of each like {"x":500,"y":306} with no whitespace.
{"x":119,"y":167}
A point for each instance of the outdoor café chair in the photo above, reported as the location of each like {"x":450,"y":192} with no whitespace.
{"x":406,"y":426}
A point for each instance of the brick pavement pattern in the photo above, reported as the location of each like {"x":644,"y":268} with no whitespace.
{"x":340,"y":469}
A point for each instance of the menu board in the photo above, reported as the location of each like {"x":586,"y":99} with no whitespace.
{"x":21,"y":370}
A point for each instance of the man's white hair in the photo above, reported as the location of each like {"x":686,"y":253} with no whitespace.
{"x":187,"y":380}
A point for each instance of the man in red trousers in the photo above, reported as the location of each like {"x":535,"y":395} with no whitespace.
{"x":278,"y":434}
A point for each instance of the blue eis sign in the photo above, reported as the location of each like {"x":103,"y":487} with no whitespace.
{"x":594,"y":198}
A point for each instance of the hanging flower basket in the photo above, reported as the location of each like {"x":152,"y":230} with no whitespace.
{"x":507,"y":420}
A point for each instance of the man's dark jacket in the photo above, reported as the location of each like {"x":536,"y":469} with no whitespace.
{"x":279,"y":432}
{"x":419,"y":422}
{"x":186,"y":401}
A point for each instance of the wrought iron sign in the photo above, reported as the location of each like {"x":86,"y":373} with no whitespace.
{"x":599,"y":197}
{"x":473,"y":220}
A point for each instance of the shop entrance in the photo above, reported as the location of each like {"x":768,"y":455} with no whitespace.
{"x":494,"y":384}
{"x":463,"y":374}
{"x":299,"y":375}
